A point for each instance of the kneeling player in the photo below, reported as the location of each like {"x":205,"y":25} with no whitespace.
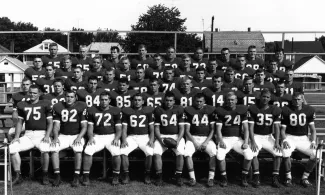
{"x":296,"y":118}
{"x":231,"y":119}
{"x":70,"y":121}
{"x":104,"y":131}
{"x":137,"y":131}
{"x":169,"y":123}
{"x":199,"y":130}
{"x":262,"y":118}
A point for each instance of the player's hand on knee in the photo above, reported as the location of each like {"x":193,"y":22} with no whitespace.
{"x":91,"y":142}
{"x":254,"y":146}
{"x":313,"y":146}
{"x":203,"y":146}
{"x":46,"y":139}
{"x":54,"y":142}
{"x":15,"y":140}
{"x":77,"y":142}
{"x":124,"y":144}
{"x":244,"y":146}
{"x":286,"y":145}
{"x":196,"y":145}
{"x":150,"y":143}
{"x":115,"y":143}
{"x":222,"y":144}
{"x":277,"y":147}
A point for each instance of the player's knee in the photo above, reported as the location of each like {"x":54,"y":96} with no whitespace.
{"x":14,"y":148}
{"x":115,"y":151}
{"x":90,"y":150}
{"x":248,"y":154}
{"x":221,"y":154}
{"x":77,"y":149}
{"x":44,"y":147}
{"x":148,"y":151}
{"x":286,"y":153}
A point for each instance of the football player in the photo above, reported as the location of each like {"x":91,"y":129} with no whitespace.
{"x":230,"y":82}
{"x":280,"y":98}
{"x":242,"y":70}
{"x":125,"y":71}
{"x":169,"y":123}
{"x":213,"y":68}
{"x":53,"y":58}
{"x":263,"y":118}
{"x":253,"y":61}
{"x":142,"y":59}
{"x":199,"y":130}
{"x":215,"y":96}
{"x":46,"y":83}
{"x":69,"y":127}
{"x":272,"y":74}
{"x":140,"y":84}
{"x":260,"y":83}
{"x":33,"y":73}
{"x":108,"y":83}
{"x":137,"y":132}
{"x":37,"y":116}
{"x":58,"y":95}
{"x":292,"y":86}
{"x":199,"y":81}
{"x":231,"y":121}
{"x":198,"y":60}
{"x":90,"y":95}
{"x":82,"y":60}
{"x":157,"y":70}
{"x":185,"y":68}
{"x":171,"y":59}
{"x":283,"y":64}
{"x":226,"y":60}
{"x":96,"y":69}
{"x":169,"y":81}
{"x":114,"y":61}
{"x":122,"y":96}
{"x":185,"y":95}
{"x":153,"y":97}
{"x":104,"y":131}
{"x":66,"y":70}
{"x":248,"y":95}
{"x":297,"y":120}
{"x":77,"y":81}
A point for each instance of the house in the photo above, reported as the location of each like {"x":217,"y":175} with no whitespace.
{"x":236,"y":41}
{"x":102,"y":48}
{"x":40,"y":49}
{"x":4,"y":50}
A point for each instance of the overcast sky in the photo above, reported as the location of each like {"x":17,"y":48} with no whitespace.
{"x":238,"y":15}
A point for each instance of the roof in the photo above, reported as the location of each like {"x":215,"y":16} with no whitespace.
{"x":102,"y":47}
{"x":301,"y":46}
{"x":41,"y":48}
{"x":310,"y":64}
{"x":236,"y":41}
{"x":15,"y":61}
{"x":4,"y":50}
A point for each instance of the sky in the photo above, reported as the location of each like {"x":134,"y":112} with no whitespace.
{"x":230,"y":15}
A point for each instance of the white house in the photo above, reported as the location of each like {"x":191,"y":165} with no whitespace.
{"x":102,"y":48}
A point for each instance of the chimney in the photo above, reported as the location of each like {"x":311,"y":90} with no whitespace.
{"x":249,"y":29}
{"x":216,"y":30}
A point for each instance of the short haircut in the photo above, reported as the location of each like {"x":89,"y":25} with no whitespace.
{"x":154,"y":79}
{"x":82,"y":46}
{"x":47,"y":65}
{"x":124,"y":80}
{"x":78,"y":67}
{"x":26,"y":79}
{"x":170,"y":94}
{"x":241,"y":56}
{"x":212,"y":59}
{"x":225,"y":49}
{"x":296,"y":94}
{"x":137,"y":95}
{"x":247,"y":78}
{"x":71,"y":91}
{"x":157,"y":55}
{"x":279,"y":50}
{"x":58,"y":80}
{"x":200,"y":68}
{"x":98,"y":57}
{"x":115,"y":48}
{"x":109,"y":69}
{"x":66,"y":57}
{"x":35,"y":87}
{"x":124,"y":58}
{"x":273,"y":60}
{"x":265,"y":91}
{"x":139,"y":67}
{"x":185,"y":78}
{"x":280,"y":82}
{"x":169,"y":68}
{"x":217,"y":76}
{"x":229,"y":69}
{"x":93,"y":77}
{"x":142,"y":46}
{"x":53,"y":44}
{"x":198,"y":48}
{"x":229,"y":94}
{"x":289,"y":69}
{"x":251,"y":47}
{"x":260,"y":70}
{"x":104,"y":93}
{"x":199,"y":95}
{"x":170,"y":47}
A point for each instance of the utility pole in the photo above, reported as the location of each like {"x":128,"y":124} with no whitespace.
{"x":211,"y":46}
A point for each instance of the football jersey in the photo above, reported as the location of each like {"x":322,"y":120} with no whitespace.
{"x":63,"y":73}
{"x":199,"y":63}
{"x":209,"y":74}
{"x":45,"y":85}
{"x":33,"y":74}
{"x":53,"y":98}
{"x":72,"y":84}
{"x":263,"y":120}
{"x":85,"y":64}
{"x":297,"y":121}
{"x":274,"y":77}
{"x":120,"y":99}
{"x":285,"y":64}
{"x":174,"y":63}
{"x":56,"y":62}
{"x":294,"y":87}
{"x":169,"y":119}
{"x":184,"y":99}
{"x":111,"y":64}
{"x":168,"y":85}
{"x":88,"y":97}
{"x":248,"y":98}
{"x":255,"y":64}
{"x":153,"y":100}
{"x":138,"y":62}
{"x":70,"y":117}
{"x":35,"y":115}
{"x":182,"y":73}
{"x":231,"y":120}
{"x":224,"y":65}
{"x":140,"y":86}
{"x":19,"y":97}
{"x":130,"y":74}
{"x":108,"y":86}
{"x":104,"y":121}
{"x":138,"y":121}
{"x":200,"y":119}
{"x":99,"y":74}
{"x":281,"y":101}
{"x":154,"y":73}
{"x":237,"y":84}
{"x":215,"y":98}
{"x":241,"y":74}
{"x":260,"y":87}
{"x":202,"y":85}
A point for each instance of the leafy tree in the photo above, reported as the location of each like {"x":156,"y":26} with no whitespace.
{"x":77,"y":39}
{"x":59,"y":37}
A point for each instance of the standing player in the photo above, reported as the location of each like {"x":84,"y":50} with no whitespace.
{"x":169,"y":123}
{"x":242,"y":70}
{"x":230,"y":82}
{"x":108,"y":83}
{"x":139,"y":84}
{"x":37,"y":116}
{"x":199,"y":130}
{"x":104,"y":131}
{"x":292,"y":86}
{"x":169,"y":81}
{"x":260,"y":83}
{"x":198,"y":60}
{"x":297,"y":120}
{"x":157,"y":70}
{"x":226,"y":60}
{"x":248,"y":95}
{"x":280,"y":98}
{"x":53,"y":58}
{"x":199,"y":81}
{"x":58,"y":95}
{"x":96,"y":69}
{"x":253,"y":61}
{"x":272,"y":74}
{"x":142,"y":59}
{"x":215,"y":96}
{"x":283,"y":64}
{"x":70,"y":125}
{"x":90,"y":95}
{"x":125,"y":71}
{"x":213,"y":68}
{"x":185,"y":95}
{"x":171,"y":59}
{"x":114,"y":61}
{"x":82,"y":60}
{"x":153,"y":97}
{"x":122,"y":96}
{"x":263,"y":118}
{"x":46,"y":83}
{"x":231,"y":121}
{"x":137,"y":132}
{"x":77,"y":81}
{"x":33,"y":73}
{"x":185,"y":68}
{"x":66,"y":70}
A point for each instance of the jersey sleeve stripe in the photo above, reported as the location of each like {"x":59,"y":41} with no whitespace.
{"x":244,"y":121}
{"x":158,"y":124}
{"x":20,"y":117}
{"x":84,"y":121}
{"x":118,"y":124}
{"x":49,"y":117}
{"x":277,"y":122}
{"x":90,"y":123}
{"x":124,"y":124}
{"x":311,"y":123}
{"x":56,"y":121}
{"x":251,"y":122}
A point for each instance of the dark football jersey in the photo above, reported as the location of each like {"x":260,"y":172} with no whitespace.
{"x":99,"y":74}
{"x":210,"y":75}
{"x":263,"y":120}
{"x":140,"y":86}
{"x":53,"y":98}
{"x":35,"y":115}
{"x":168,"y":85}
{"x":294,"y":87}
{"x":138,"y":121}
{"x":184,"y":99}
{"x":202,"y":85}
{"x":274,"y":77}
{"x":231,"y":120}
{"x":182,"y":73}
{"x":241,"y":74}
{"x":268,"y":85}
{"x":111,"y":64}
{"x":108,"y":86}
{"x":104,"y":121}
{"x":154,"y":73}
{"x":297,"y":121}
{"x":255,"y":64}
{"x":174,"y":63}
{"x":145,"y":63}
{"x":224,"y":65}
{"x":85,"y":64}
{"x":153,"y":100}
{"x":248,"y":98}
{"x":169,"y":119}
{"x":215,"y":98}
{"x":33,"y":74}
{"x":285,"y":64}
{"x":63,"y":73}
{"x":237,"y":84}
{"x":199,"y":63}
{"x":88,"y":97}
{"x":70,"y":117}
{"x":200,"y":119}
{"x":45,"y":85}
{"x":120,"y":100}
{"x":130,"y":74}
{"x":281,"y":101}
{"x":19,"y":97}
{"x":56,"y":62}
{"x":72,"y":84}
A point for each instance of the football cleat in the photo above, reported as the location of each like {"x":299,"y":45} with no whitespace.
{"x":125,"y":178}
{"x":275,"y":181}
{"x":45,"y":179}
{"x":179,"y":180}
{"x":288,"y":182}
{"x":85,"y":180}
{"x":76,"y":179}
{"x":159,"y":181}
{"x":305,"y":183}
{"x":224,"y":181}
{"x":57,"y":180}
{"x":17,"y":179}
{"x":244,"y":182}
{"x":115,"y":179}
{"x":210,"y":183}
{"x":256,"y":181}
{"x":147,"y":178}
{"x":192,"y":182}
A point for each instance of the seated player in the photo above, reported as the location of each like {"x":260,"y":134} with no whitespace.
{"x":252,"y":61}
{"x":122,"y":96}
{"x":213,"y":68}
{"x":114,"y":61}
{"x":108,"y":83}
{"x":199,"y":81}
{"x":37,"y":116}
{"x":142,"y":59}
{"x":231,"y":121}
{"x":96,"y":68}
{"x":153,"y":97}
{"x":242,"y":70}
{"x":248,"y":95}
{"x":293,"y":86}
{"x":170,"y":59}
{"x":33,"y":73}
{"x":185,"y":95}
{"x":157,"y":70}
{"x":125,"y":70}
{"x":137,"y":132}
{"x":297,"y":120}
{"x":66,"y":68}
{"x":169,"y":81}
{"x":215,"y":96}
{"x":46,"y":83}
{"x":199,"y":130}
{"x":280,"y":98}
{"x":263,"y":118}
{"x":104,"y":131}
{"x":82,"y":60}
{"x":169,"y":123}
{"x":198,"y":60}
{"x":139,"y":84}
{"x":53,"y":58}
{"x":260,"y":83}
{"x":185,"y":68}
{"x":230,"y":82}
{"x":69,"y":128}
{"x":77,"y":81}
{"x":90,"y":95}
{"x":58,"y":95}
{"x":283,"y":64}
{"x":272,"y":74}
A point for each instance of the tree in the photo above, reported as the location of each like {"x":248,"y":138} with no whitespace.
{"x":59,"y":38}
{"x":160,"y":18}
{"x":77,"y":39}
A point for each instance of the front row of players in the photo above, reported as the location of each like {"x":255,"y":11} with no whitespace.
{"x":213,"y":130}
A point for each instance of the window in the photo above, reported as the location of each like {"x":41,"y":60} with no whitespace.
{"x":6,"y":63}
{"x":46,"y":46}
